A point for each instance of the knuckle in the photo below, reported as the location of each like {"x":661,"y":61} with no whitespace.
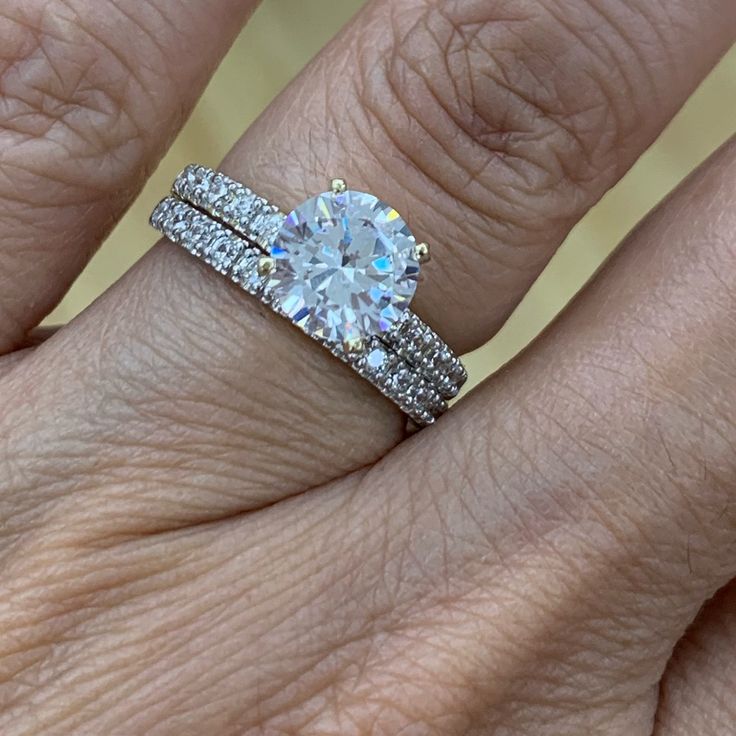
{"x":76,"y":103}
{"x":504,"y":99}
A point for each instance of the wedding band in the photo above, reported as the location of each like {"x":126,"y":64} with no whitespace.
{"x":343,"y":267}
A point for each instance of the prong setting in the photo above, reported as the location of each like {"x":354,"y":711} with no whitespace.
{"x":266,"y":266}
{"x":354,"y":345}
{"x":422,"y":253}
{"x":338,"y":186}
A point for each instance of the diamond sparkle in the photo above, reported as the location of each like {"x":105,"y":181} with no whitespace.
{"x":345,"y":266}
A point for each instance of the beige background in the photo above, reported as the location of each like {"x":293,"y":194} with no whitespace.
{"x":281,"y":38}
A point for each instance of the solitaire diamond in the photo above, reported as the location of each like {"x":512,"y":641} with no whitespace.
{"x":345,"y":267}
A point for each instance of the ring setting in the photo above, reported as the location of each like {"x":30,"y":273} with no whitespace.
{"x":343,"y":266}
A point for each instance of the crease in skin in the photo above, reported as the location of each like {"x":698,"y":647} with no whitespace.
{"x":25,"y":350}
{"x":696,"y":692}
{"x":49,"y":94}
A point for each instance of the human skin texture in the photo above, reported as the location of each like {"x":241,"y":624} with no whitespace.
{"x":209,"y":525}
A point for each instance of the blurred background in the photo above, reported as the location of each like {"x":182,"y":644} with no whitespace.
{"x":282,"y":36}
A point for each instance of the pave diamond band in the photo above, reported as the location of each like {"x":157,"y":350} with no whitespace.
{"x":230,"y":202}
{"x":343,"y":267}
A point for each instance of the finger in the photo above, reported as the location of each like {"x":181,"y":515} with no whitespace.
{"x":460,"y":120}
{"x":234,"y":397}
{"x":525,"y":569}
{"x":698,"y":690}
{"x":530,"y":569}
{"x":92,"y":94}
{"x":594,"y":481}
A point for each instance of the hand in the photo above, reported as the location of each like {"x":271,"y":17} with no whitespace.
{"x":210,"y":526}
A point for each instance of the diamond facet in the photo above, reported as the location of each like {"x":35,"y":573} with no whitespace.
{"x":345,"y":266}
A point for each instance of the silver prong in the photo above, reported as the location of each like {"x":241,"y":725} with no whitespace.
{"x":266,"y":266}
{"x":338,"y":186}
{"x":354,"y":345}
{"x":421,"y":252}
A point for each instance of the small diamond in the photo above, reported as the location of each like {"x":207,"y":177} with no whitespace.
{"x":376,"y":360}
{"x":218,"y":190}
{"x":222,"y":252}
{"x":270,"y":228}
{"x":245,"y":273}
{"x":193,"y":177}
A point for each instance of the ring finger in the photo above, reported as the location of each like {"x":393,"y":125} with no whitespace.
{"x":458,"y":118}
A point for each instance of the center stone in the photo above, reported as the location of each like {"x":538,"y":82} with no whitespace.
{"x":345,"y":266}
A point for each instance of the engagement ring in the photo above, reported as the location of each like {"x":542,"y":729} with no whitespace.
{"x":343,"y":267}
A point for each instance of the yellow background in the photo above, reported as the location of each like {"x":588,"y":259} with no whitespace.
{"x":281,"y":38}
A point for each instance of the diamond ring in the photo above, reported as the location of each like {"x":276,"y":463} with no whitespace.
{"x":343,"y":267}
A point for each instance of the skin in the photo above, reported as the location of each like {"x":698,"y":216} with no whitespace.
{"x":208,"y":525}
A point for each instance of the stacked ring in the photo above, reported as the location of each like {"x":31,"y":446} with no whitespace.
{"x":343,"y":267}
